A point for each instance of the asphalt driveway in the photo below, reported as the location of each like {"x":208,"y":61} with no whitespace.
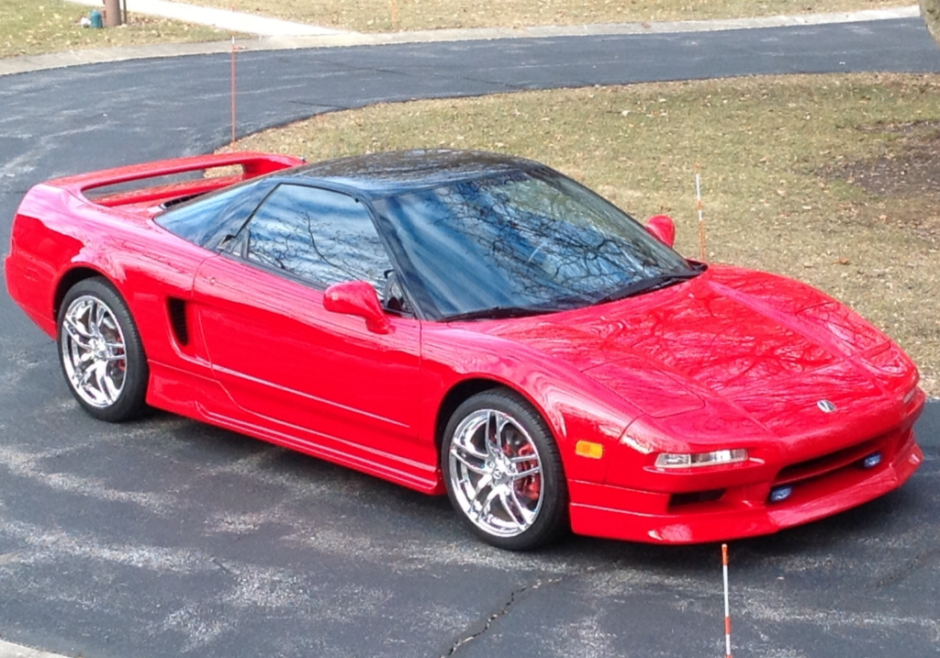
{"x":168,"y":537}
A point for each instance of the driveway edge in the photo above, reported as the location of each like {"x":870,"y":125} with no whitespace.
{"x":31,"y":63}
{"x":9,"y":650}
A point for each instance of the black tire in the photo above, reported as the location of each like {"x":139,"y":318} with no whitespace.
{"x":526,"y":500}
{"x":109,"y":382}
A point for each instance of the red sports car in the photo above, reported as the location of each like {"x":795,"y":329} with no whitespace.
{"x":472,"y":324}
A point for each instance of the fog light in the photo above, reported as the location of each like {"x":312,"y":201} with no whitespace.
{"x":780,"y":494}
{"x":871,"y":460}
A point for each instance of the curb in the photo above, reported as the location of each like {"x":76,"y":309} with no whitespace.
{"x":222,"y":19}
{"x":8,"y":650}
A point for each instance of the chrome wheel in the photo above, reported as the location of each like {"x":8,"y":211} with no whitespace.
{"x":495,"y":473}
{"x":93,"y":351}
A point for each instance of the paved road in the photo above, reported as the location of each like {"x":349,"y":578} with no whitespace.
{"x":171,"y":538}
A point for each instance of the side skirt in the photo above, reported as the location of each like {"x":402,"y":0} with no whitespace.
{"x":204,"y":399}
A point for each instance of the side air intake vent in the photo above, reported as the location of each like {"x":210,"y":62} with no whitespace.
{"x":177,"y":311}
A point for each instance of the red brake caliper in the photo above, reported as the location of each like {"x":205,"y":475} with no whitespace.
{"x":529,"y":487}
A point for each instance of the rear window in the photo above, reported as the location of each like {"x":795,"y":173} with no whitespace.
{"x":208,"y":220}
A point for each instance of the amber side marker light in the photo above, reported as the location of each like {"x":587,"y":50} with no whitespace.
{"x":589,"y":449}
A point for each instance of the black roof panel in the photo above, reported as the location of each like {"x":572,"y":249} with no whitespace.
{"x":381,"y":174}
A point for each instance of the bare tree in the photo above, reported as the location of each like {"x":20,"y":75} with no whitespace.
{"x":930,"y":10}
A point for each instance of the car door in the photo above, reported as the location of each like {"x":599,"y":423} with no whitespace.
{"x":317,"y":376}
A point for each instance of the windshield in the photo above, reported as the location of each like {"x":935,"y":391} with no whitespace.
{"x":519,"y":243}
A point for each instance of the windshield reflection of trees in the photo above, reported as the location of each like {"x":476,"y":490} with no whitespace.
{"x":521,"y":240}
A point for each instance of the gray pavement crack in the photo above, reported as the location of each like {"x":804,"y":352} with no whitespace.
{"x":481,"y":628}
{"x":422,"y":72}
{"x":488,"y":622}
{"x":217,"y":562}
{"x":919,"y":561}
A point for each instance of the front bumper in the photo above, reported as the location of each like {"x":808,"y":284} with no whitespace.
{"x":614,"y":512}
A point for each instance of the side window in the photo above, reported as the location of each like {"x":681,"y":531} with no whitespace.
{"x":317,"y":235}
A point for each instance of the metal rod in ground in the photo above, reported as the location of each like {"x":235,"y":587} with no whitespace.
{"x":701,"y":220}
{"x":233,"y":92}
{"x":724,"y":569}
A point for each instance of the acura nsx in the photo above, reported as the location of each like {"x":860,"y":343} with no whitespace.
{"x":467,"y":324}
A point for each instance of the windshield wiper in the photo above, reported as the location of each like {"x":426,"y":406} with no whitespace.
{"x":500,"y":312}
{"x":647,"y":285}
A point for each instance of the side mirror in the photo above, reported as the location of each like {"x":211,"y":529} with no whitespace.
{"x":357,"y":298}
{"x":662,"y":228}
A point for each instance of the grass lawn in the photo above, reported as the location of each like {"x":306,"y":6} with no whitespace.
{"x":834,"y":180}
{"x":31,"y":27}
{"x":389,"y":15}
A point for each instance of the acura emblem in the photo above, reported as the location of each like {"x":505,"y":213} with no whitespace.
{"x":826,"y":406}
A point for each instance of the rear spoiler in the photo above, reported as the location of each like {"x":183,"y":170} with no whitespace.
{"x":249,"y":165}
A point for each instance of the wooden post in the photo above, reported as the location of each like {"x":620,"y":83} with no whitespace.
{"x":112,"y":13}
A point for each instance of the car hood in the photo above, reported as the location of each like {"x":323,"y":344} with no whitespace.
{"x":769,"y":347}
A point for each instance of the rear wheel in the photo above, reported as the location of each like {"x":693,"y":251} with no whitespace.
{"x":101,"y":353}
{"x":503,"y":472}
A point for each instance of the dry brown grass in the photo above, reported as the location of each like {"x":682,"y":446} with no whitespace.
{"x":31,"y":27}
{"x":378,"y":15}
{"x":797,"y":172}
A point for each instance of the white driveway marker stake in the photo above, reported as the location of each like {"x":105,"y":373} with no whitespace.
{"x":724,"y":568}
{"x":234,"y":91}
{"x":701,"y":220}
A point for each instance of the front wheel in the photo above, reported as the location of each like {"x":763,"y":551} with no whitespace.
{"x":101,"y":353}
{"x":503,"y":472}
